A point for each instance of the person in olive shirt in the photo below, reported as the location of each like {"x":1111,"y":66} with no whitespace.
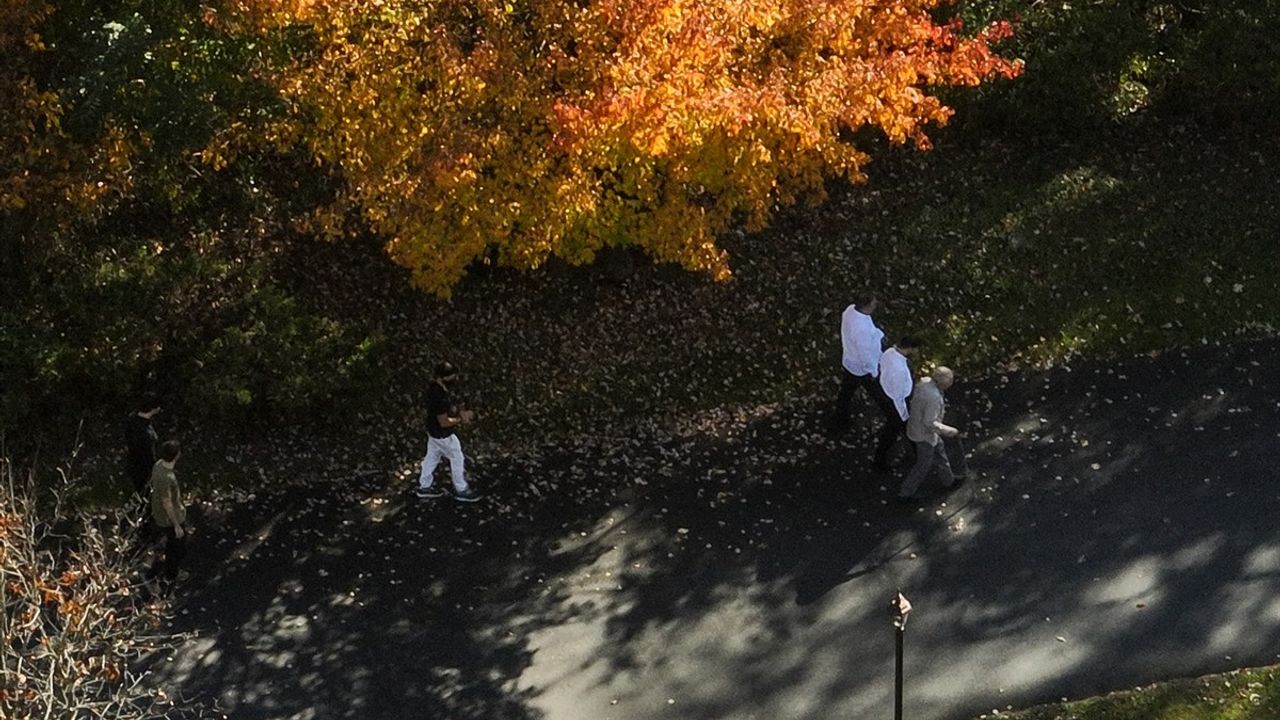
{"x":442,"y":440}
{"x":167,"y":512}
{"x":140,"y":443}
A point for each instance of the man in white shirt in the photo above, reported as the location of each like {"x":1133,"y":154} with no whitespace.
{"x":926,"y":429}
{"x":895,"y":388}
{"x":862,"y":343}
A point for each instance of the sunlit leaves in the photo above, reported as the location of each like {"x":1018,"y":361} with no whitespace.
{"x":40,"y":166}
{"x":540,"y":127}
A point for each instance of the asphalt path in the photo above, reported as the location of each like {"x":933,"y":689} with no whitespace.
{"x":1120,"y":527}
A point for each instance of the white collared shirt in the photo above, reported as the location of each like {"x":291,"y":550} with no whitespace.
{"x":895,"y":379}
{"x":861,"y":340}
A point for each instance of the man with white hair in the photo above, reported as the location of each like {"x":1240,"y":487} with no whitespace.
{"x":926,"y":430}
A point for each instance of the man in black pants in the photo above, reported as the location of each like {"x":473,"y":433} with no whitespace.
{"x":861,"y":342}
{"x":140,"y":443}
{"x":894,"y":388}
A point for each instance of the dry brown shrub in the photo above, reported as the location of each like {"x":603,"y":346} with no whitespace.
{"x":78,"y":626}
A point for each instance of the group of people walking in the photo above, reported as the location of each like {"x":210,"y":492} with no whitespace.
{"x":910,"y":408}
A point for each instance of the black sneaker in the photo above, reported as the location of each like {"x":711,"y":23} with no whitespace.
{"x":431,"y":492}
{"x":469,"y":496}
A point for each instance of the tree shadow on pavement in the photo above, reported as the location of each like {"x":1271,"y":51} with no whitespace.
{"x":1117,"y":530}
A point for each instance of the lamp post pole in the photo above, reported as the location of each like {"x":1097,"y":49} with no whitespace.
{"x":898,"y":609}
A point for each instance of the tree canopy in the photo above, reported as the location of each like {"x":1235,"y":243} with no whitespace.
{"x":465,"y":129}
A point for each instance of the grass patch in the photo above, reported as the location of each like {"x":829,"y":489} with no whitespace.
{"x":1240,"y":695}
{"x":1131,"y":244}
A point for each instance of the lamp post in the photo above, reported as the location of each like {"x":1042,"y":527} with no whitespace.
{"x":898,"y":609}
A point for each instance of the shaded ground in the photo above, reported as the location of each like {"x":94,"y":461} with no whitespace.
{"x":1121,"y":530}
{"x":997,"y":249}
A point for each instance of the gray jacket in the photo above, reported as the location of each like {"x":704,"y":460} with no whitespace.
{"x":927,"y":407}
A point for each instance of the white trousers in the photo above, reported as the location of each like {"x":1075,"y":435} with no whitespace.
{"x":451,"y":449}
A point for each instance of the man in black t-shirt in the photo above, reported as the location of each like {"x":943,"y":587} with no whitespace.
{"x":140,"y":444}
{"x":442,"y":440}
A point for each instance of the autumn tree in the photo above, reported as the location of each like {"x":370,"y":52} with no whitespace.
{"x":126,"y":263}
{"x":527,"y":128}
{"x":49,"y":180}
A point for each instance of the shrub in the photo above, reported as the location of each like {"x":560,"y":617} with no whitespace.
{"x":75,"y":631}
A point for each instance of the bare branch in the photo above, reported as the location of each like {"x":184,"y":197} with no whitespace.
{"x":75,"y":623}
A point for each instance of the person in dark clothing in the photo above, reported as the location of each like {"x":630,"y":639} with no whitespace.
{"x":443,"y":417}
{"x":140,"y":444}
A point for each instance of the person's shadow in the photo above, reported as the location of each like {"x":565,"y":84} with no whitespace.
{"x":856,"y":547}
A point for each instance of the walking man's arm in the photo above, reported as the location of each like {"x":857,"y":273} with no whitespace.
{"x":447,"y":420}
